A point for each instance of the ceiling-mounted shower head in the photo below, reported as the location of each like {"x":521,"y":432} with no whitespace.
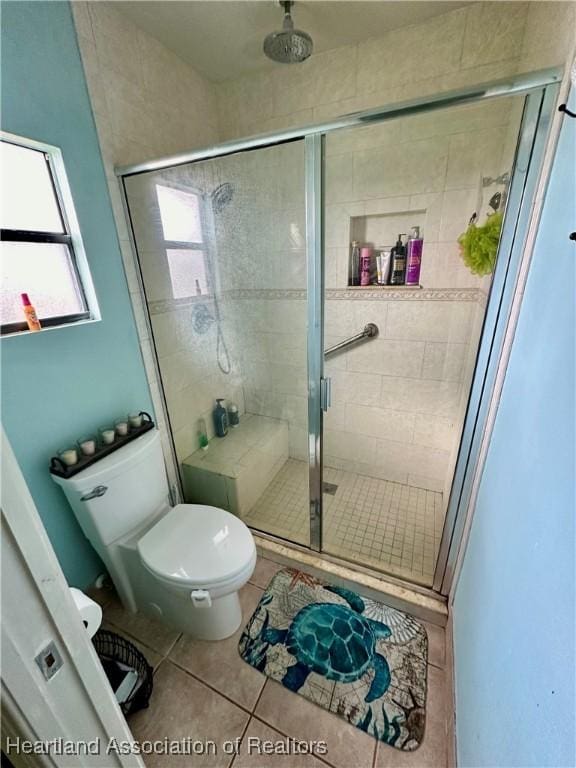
{"x":289,"y":46}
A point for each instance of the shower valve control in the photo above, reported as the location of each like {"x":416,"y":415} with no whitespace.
{"x":95,"y":493}
{"x":325,"y":393}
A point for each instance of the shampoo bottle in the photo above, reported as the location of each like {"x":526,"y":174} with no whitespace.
{"x":30,"y":314}
{"x":220,"y":417}
{"x":365,"y":265}
{"x":398,"y":273}
{"x":414,"y":257}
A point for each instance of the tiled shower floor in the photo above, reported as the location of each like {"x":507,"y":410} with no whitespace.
{"x":383,"y":525}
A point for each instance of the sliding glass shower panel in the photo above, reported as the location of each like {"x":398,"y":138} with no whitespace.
{"x":222,"y":251}
{"x":399,"y":398}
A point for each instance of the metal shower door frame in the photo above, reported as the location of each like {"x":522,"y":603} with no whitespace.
{"x":526,"y":168}
{"x":539,"y":88}
{"x":315,"y":173}
{"x":534,"y":127}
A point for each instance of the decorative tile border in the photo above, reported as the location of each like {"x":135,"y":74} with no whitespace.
{"x":364,"y":294}
{"x":173,"y":305}
{"x":332,"y":294}
{"x":405,"y":294}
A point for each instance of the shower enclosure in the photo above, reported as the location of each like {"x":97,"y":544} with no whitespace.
{"x":243,"y":250}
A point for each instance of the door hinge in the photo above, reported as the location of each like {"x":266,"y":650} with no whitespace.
{"x":325,"y":393}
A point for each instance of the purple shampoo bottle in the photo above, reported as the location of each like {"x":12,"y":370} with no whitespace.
{"x":414,"y":257}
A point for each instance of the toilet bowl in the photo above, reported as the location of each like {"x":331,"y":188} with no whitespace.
{"x":183,"y":564}
{"x":203,"y":555}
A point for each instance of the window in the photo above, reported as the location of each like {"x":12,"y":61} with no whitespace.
{"x":181,"y":216}
{"x":40,"y":250}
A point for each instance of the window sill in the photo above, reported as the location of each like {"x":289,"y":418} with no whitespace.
{"x":75,"y":324}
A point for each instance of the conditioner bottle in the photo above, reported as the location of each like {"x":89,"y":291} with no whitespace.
{"x":414,"y":257}
{"x":398,"y":273}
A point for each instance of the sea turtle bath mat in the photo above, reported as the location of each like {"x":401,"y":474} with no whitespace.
{"x":353,"y":656}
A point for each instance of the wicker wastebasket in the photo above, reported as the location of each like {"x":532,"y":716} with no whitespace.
{"x":126,"y":668}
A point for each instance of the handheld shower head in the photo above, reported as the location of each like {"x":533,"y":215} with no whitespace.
{"x":289,"y":45}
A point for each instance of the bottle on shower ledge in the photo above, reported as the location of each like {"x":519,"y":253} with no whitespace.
{"x":220,"y":416}
{"x":365,"y":265}
{"x":233,"y":415}
{"x":202,"y":435}
{"x":354,"y":271}
{"x":398,"y":268}
{"x":414,"y":257}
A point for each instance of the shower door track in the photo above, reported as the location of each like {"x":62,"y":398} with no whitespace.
{"x":354,"y":565}
{"x":540,"y":89}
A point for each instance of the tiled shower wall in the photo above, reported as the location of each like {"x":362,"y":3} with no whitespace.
{"x":399,"y":400}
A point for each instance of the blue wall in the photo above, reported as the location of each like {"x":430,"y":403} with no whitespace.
{"x":514,"y":604}
{"x":63,"y":383}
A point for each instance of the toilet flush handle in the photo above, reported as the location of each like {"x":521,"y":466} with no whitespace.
{"x":201,"y":598}
{"x":95,"y":493}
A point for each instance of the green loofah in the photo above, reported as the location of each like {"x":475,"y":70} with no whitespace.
{"x":479,"y":245}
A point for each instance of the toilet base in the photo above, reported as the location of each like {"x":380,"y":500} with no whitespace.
{"x":216,"y":622}
{"x":172,"y":604}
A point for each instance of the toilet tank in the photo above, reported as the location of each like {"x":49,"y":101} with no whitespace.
{"x":126,"y":488}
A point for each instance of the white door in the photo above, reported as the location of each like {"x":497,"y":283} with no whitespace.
{"x":76,"y":705}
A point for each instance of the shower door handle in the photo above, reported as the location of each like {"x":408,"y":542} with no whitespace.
{"x":325,"y":393}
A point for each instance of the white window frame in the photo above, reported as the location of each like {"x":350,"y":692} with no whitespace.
{"x":72,"y":227}
{"x":189,"y":244}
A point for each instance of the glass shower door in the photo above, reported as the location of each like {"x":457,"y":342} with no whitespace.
{"x":399,"y":396}
{"x":222,"y":252}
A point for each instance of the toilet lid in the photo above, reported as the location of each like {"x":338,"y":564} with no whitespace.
{"x":197,"y":544}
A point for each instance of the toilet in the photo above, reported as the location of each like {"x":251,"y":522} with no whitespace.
{"x":183,"y":565}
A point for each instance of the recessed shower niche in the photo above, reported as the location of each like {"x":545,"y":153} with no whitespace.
{"x":382,"y":229}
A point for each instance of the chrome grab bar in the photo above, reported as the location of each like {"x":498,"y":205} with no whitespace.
{"x":370,"y":332}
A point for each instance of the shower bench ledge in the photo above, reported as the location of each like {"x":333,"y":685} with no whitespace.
{"x":236,"y":469}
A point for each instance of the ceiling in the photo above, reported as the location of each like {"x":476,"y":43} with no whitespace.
{"x":223,"y":39}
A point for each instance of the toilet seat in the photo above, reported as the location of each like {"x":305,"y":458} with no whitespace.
{"x":195,"y":546}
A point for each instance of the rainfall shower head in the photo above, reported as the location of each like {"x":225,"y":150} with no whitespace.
{"x":289,"y":46}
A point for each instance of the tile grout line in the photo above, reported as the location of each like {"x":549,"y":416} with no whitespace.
{"x":173,"y":645}
{"x":260,"y":719}
{"x":207,"y":685}
{"x":261,"y":692}
{"x":230,"y":765}
{"x":133,"y":637}
{"x":375,"y":755}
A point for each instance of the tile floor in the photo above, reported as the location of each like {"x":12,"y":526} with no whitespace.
{"x":383,"y":525}
{"x":205,"y":691}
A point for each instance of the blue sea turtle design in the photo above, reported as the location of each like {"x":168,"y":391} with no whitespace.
{"x":335,"y":641}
